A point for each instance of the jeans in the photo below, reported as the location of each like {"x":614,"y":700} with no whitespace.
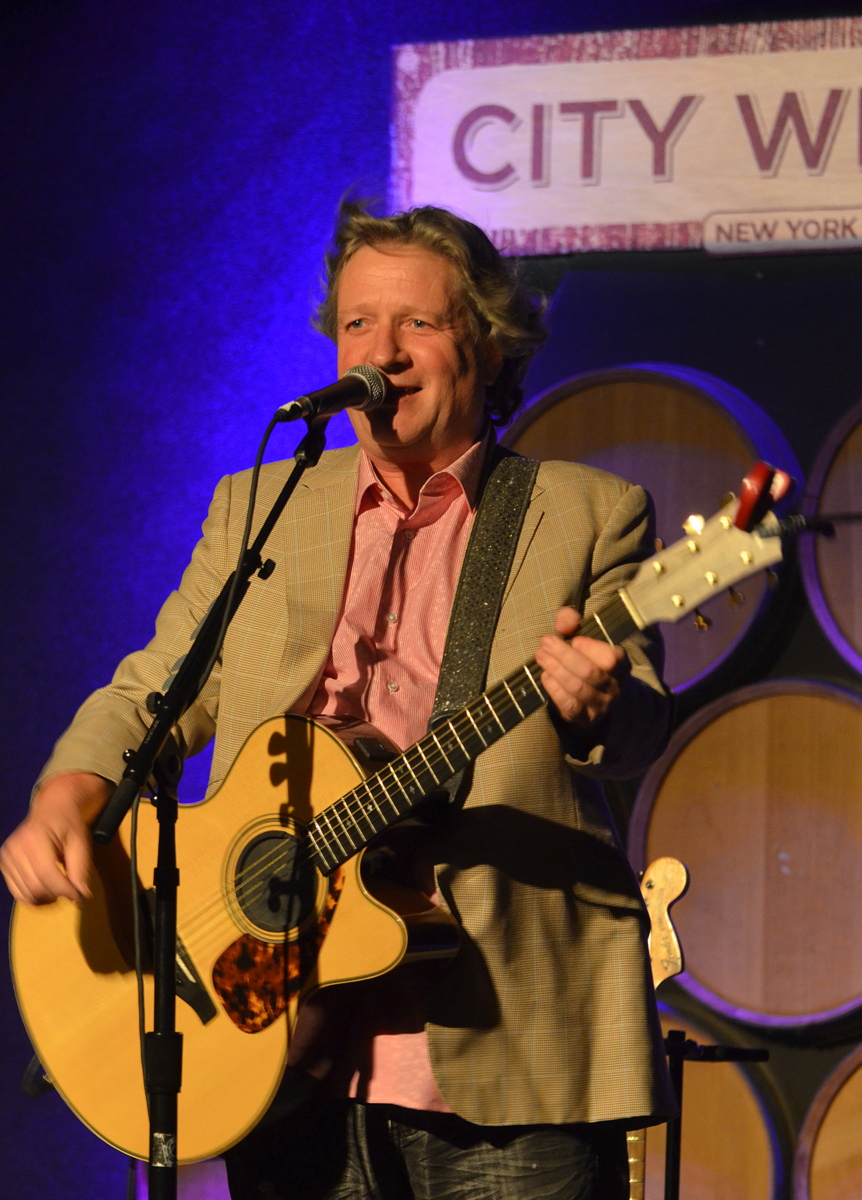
{"x":353,"y":1151}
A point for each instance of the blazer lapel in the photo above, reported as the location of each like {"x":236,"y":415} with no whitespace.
{"x":317,"y":530}
{"x":532,"y":520}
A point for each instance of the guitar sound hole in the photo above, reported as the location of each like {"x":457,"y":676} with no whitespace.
{"x":274,"y":892}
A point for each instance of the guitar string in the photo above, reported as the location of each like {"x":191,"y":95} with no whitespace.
{"x":352,"y":808}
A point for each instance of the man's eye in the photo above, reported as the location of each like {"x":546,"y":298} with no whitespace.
{"x":357,"y":323}
{"x":418,"y":324}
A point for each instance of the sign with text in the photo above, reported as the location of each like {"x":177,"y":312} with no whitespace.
{"x":739,"y":138}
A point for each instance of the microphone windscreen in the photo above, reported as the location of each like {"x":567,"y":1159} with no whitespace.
{"x":376,"y":386}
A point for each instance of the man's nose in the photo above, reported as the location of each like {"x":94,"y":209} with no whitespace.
{"x":388,"y":349}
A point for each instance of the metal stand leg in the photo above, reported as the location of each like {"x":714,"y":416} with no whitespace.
{"x":678,"y":1048}
{"x":164,"y":1046}
{"x":675,"y":1048}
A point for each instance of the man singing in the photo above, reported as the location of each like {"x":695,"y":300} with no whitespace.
{"x":513,"y":1072}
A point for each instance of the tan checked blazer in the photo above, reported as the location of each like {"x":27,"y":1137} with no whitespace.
{"x":547,"y":1013}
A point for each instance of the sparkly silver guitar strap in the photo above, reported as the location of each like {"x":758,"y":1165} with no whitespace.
{"x":482,"y":582}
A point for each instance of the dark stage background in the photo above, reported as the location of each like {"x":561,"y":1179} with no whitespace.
{"x":169,"y":176}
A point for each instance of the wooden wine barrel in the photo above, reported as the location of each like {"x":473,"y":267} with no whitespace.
{"x":828,"y":1161}
{"x":688,"y":438}
{"x":832,"y":568}
{"x":760,"y":795}
{"x":735,"y":1135}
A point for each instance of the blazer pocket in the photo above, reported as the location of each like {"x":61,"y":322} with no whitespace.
{"x":603,"y":898}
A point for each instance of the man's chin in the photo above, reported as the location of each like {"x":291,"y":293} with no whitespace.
{"x":389,"y":428}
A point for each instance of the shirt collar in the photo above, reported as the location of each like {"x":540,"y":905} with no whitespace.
{"x":466,"y":472}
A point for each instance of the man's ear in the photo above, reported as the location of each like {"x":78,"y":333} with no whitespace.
{"x":492,"y":361}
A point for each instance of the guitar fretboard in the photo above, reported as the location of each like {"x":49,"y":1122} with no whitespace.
{"x":386,"y":797}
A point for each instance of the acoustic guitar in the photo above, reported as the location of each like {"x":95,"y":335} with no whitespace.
{"x":274,"y":901}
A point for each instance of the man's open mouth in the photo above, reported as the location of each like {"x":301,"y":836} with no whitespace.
{"x":394,"y":394}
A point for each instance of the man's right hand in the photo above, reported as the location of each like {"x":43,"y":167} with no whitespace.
{"x":50,"y":853}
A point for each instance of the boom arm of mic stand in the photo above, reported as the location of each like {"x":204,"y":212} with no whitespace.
{"x":189,"y":680}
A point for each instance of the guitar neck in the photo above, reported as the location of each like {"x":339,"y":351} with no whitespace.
{"x":346,"y":827}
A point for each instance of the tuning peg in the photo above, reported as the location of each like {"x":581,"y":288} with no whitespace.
{"x":701,"y":622}
{"x":771,"y":578}
{"x":736,"y":598}
{"x":659,"y":544}
{"x":694,"y":524}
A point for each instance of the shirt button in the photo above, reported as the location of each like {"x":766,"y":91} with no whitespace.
{"x":392,"y":618}
{"x":392,"y":685}
{"x":409,"y":535}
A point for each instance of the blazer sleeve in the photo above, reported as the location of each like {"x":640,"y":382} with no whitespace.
{"x":115,"y":717}
{"x":638,"y":726}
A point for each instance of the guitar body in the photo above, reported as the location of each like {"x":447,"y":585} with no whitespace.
{"x":244,"y":978}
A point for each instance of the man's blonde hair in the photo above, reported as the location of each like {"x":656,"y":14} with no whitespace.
{"x":500,"y":307}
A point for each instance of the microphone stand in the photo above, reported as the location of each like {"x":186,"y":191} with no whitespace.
{"x":157,"y":757}
{"x":680,"y":1049}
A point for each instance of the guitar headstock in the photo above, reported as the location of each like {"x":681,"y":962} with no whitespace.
{"x":664,"y":882}
{"x":739,"y":540}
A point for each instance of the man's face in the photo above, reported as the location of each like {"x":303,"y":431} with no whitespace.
{"x":400,"y":309}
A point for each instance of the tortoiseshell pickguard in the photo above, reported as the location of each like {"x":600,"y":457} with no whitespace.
{"x":255,"y":980}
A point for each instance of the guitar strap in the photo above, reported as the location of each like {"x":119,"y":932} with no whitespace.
{"x":508,"y":486}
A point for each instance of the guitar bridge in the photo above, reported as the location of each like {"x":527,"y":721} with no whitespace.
{"x":187,"y":982}
{"x":190,"y":987}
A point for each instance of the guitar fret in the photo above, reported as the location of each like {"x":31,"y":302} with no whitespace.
{"x":324,"y":836}
{"x":390,"y":767}
{"x":605,"y":633}
{"x":374,"y":805}
{"x":475,"y":726}
{"x":377,"y":783}
{"x":346,"y":827}
{"x":309,"y":833}
{"x":326,"y":813}
{"x":406,"y":761}
{"x":443,"y":754}
{"x":529,"y":674}
{"x":450,"y":726}
{"x":321,"y":854}
{"x":494,"y":714}
{"x":356,"y":810}
{"x":613,"y":620}
{"x":428,"y":766}
{"x":504,"y":705}
{"x":365,"y":810}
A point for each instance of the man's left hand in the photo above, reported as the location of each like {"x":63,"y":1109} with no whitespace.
{"x":583,"y":676}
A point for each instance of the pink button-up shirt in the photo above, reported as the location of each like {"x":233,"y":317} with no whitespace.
{"x":383,"y":667}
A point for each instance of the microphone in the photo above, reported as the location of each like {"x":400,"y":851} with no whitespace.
{"x":361,"y":387}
